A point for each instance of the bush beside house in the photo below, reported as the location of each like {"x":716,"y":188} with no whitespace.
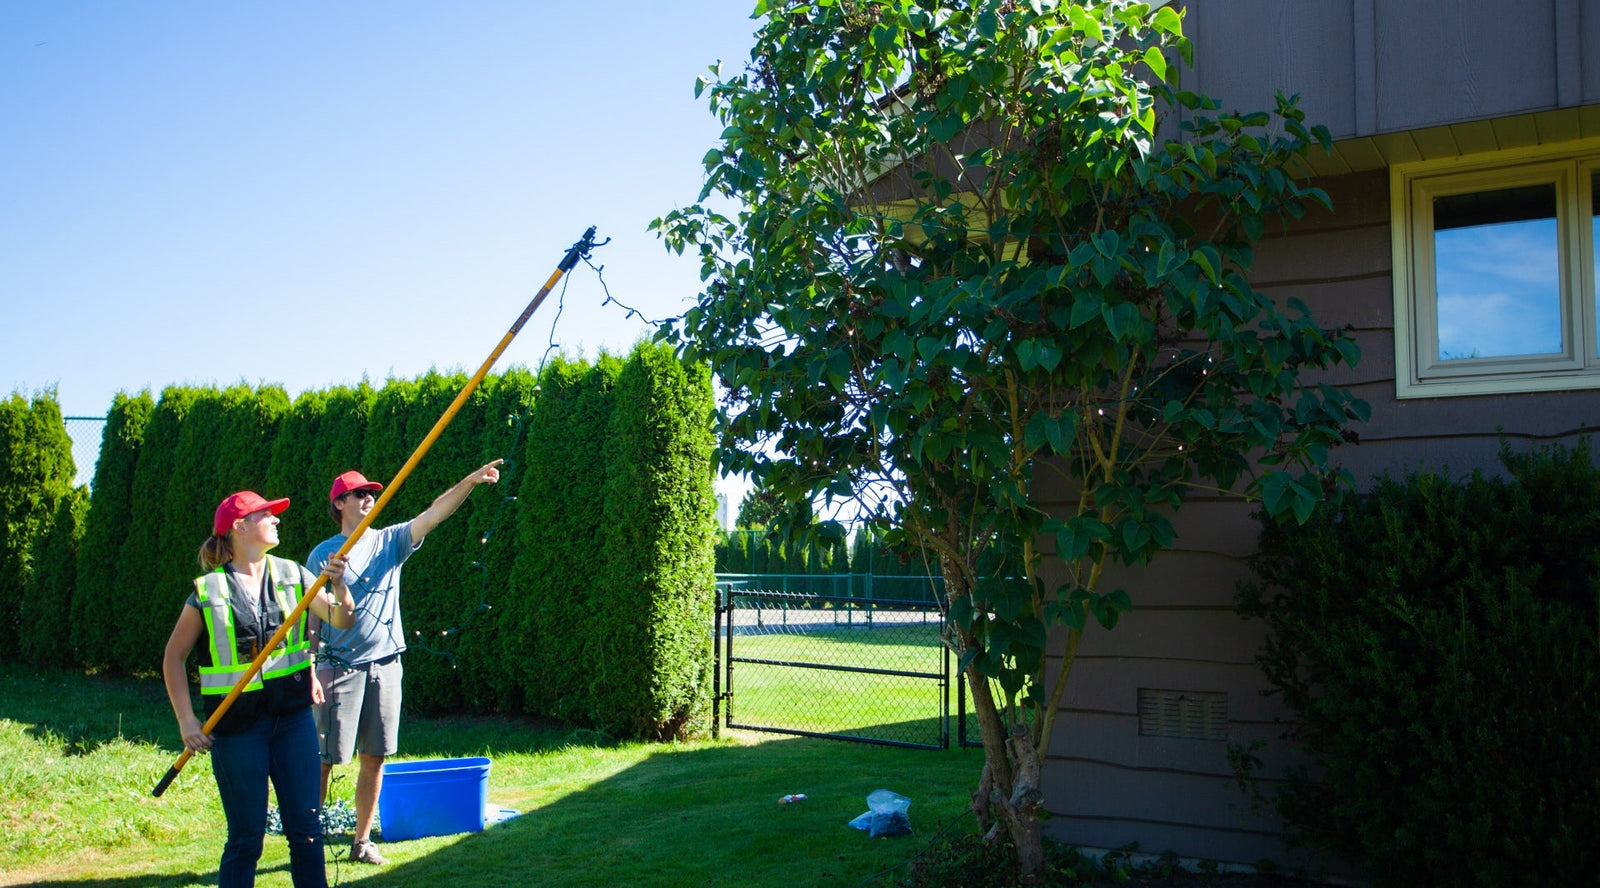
{"x":1435,"y":641}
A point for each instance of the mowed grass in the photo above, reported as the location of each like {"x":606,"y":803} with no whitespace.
{"x":79,"y":755}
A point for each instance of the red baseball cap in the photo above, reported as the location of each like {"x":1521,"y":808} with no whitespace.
{"x":240,"y":504}
{"x":351,"y":481}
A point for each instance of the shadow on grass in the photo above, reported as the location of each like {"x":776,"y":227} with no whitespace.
{"x":669,"y":815}
{"x":80,"y":714}
{"x":168,"y":880}
{"x":171,"y":880}
{"x":84,"y":713}
{"x":707,"y":816}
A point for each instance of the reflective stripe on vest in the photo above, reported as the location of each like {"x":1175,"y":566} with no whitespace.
{"x":214,"y":593}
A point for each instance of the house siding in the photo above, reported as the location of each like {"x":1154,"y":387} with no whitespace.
{"x":1364,"y":67}
{"x":1105,"y":784}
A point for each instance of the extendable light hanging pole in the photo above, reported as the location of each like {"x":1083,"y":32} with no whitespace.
{"x":578,"y":251}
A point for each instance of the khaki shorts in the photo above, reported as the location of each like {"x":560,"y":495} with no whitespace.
{"x":361,"y":712}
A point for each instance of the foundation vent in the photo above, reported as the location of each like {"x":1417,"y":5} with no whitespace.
{"x":1185,"y":715}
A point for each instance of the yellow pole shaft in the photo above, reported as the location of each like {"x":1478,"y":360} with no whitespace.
{"x":571,"y":259}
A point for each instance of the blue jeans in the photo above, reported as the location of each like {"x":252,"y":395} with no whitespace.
{"x":284,"y":749}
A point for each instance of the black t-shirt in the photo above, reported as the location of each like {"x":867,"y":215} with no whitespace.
{"x":256,"y":615}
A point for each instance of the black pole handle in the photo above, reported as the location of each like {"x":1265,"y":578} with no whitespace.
{"x":165,"y":782}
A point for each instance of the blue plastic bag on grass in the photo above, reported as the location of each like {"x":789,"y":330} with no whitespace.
{"x":885,"y":816}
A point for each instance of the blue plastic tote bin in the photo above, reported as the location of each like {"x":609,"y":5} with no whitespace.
{"x":438,"y":797}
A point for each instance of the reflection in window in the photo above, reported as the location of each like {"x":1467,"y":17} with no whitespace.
{"x":1497,"y":258}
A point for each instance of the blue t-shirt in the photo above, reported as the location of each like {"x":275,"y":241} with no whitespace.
{"x":372,"y":571}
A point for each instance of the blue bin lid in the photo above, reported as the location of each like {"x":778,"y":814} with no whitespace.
{"x":427,"y":765}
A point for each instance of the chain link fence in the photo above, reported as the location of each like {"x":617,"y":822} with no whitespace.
{"x":844,"y":666}
{"x":834,"y":666}
{"x":85,"y":432}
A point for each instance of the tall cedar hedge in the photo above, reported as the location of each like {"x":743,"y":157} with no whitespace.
{"x":330,"y":441}
{"x":901,"y":573}
{"x":144,"y":620}
{"x":608,"y":457}
{"x":45,"y":612}
{"x":36,"y":474}
{"x":806,"y":560}
{"x":305,"y":521}
{"x":652,"y":664}
{"x":433,"y":593}
{"x":550,"y":639}
{"x":489,"y":591}
{"x":97,"y":601}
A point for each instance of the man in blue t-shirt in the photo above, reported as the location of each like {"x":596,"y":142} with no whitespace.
{"x":358,"y":669}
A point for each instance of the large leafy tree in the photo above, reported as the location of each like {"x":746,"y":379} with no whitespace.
{"x":981,"y":246}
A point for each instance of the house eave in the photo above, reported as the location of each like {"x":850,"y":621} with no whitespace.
{"x":1462,"y":139}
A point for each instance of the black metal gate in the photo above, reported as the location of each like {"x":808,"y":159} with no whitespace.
{"x":871,"y":671}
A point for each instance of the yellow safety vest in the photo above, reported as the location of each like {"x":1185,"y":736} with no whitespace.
{"x":292,"y":654}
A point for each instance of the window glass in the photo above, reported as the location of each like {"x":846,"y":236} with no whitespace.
{"x":1497,"y":257}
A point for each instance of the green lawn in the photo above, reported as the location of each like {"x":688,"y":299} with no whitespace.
{"x":78,"y":757}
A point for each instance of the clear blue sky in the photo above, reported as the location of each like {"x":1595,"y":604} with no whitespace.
{"x":309,"y":192}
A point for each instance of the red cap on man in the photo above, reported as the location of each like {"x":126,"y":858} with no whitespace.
{"x":240,"y":504}
{"x":349,"y":481}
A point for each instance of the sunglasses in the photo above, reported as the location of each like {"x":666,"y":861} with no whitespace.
{"x":362,"y":494}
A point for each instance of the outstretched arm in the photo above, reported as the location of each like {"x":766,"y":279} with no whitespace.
{"x":450,"y":500}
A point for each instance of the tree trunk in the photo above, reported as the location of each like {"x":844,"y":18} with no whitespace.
{"x":1009,"y":791}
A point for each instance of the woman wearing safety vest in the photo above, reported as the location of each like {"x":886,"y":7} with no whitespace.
{"x":268,"y":732}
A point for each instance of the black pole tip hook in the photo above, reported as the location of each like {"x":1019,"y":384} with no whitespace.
{"x":580,"y":250}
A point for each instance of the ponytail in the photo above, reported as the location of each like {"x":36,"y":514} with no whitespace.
{"x":215,"y":552}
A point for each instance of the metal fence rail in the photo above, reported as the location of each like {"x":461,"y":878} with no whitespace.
{"x":863,"y":587}
{"x":833,"y":666}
